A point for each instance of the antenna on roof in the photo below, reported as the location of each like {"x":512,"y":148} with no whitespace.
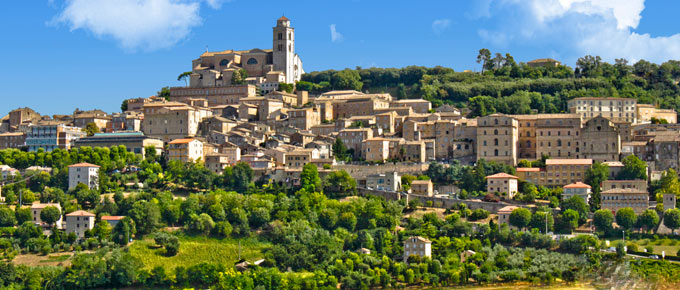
{"x":206,"y":48}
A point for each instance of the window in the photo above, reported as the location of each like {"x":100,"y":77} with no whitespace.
{"x":495,"y":152}
{"x":224,"y":62}
{"x":280,"y":36}
{"x":251,"y":61}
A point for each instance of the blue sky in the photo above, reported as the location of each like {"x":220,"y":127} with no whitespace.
{"x":58,"y":55}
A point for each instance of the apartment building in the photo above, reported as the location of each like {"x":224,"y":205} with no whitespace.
{"x":364,"y":106}
{"x":50,"y":135}
{"x":557,"y":135}
{"x":497,"y":138}
{"x":615,"y":109}
{"x":300,"y":157}
{"x":618,"y":198}
{"x":375,"y":149}
{"x":390,"y":181}
{"x":557,"y":172}
{"x":185,"y":150}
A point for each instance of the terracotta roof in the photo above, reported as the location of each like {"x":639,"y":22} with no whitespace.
{"x":284,"y":18}
{"x":577,"y":185}
{"x":421,"y":182}
{"x":568,"y":161}
{"x":84,"y":164}
{"x":624,"y":191}
{"x":502,"y":175}
{"x":44,"y":205}
{"x":80,"y":213}
{"x":112,"y":217}
{"x":420,"y":239}
{"x":507,"y":209}
{"x":528,"y":169}
{"x":181,"y":141}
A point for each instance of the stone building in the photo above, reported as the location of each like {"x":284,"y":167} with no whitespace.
{"x":84,"y":173}
{"x":497,"y":138}
{"x":390,"y":181}
{"x":375,"y":149}
{"x":618,"y":198}
{"x":669,"y":201}
{"x":557,"y":135}
{"x":646,"y":112}
{"x":417,"y":246}
{"x":172,"y":120}
{"x":358,"y":106}
{"x":79,"y":222}
{"x":353,"y":138}
{"x":503,"y":183}
{"x":304,"y":119}
{"x":600,"y":140}
{"x":419,"y":106}
{"x":422,"y":187}
{"x":615,"y":109}
{"x":37,"y":208}
{"x":504,"y":214}
{"x":12,"y":140}
{"x":557,"y":172}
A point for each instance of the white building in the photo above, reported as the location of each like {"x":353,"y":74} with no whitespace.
{"x":579,"y":189}
{"x":384,"y":181}
{"x":417,"y":246}
{"x":78,"y":222}
{"x":8,"y":172}
{"x":185,"y":150}
{"x":84,"y":173}
{"x":37,"y":208}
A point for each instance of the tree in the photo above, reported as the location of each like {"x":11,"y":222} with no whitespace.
{"x":168,"y":241}
{"x":91,"y":128}
{"x":309,"y":178}
{"x":633,"y":168}
{"x":538,"y":221}
{"x":603,"y":220}
{"x":626,"y":218}
{"x":484,"y":58}
{"x":288,"y":88}
{"x":339,"y":184}
{"x":239,"y":77}
{"x":594,"y":177}
{"x":579,"y":205}
{"x":164,"y":93}
{"x":50,"y":214}
{"x":671,"y":219}
{"x":648,"y":219}
{"x":569,"y":220}
{"x":123,"y":231}
{"x":184,"y":76}
{"x":340,"y":150}
{"x":124,"y":106}
{"x":520,"y":218}
{"x":239,"y":177}
{"x":347,"y":79}
{"x":7,"y":218}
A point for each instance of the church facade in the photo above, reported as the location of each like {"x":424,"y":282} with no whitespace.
{"x":265,"y":67}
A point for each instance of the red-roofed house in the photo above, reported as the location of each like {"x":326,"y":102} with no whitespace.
{"x":78,"y":222}
{"x":503,"y":183}
{"x":504,"y":214}
{"x":84,"y":173}
{"x":579,"y":189}
{"x":113,"y":220}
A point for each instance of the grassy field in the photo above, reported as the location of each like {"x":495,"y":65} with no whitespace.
{"x":195,"y":250}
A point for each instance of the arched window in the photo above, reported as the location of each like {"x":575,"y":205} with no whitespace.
{"x":495,"y":142}
{"x":495,"y":121}
{"x":495,"y":131}
{"x":495,"y":152}
{"x":252,"y":61}
{"x":559,"y":142}
{"x":529,"y":144}
{"x":224,"y":62}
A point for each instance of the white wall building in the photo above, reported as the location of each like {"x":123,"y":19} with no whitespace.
{"x":37,"y":208}
{"x":78,"y":222}
{"x":417,"y":246}
{"x":84,"y":173}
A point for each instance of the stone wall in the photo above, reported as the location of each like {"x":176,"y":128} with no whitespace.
{"x":361,"y":171}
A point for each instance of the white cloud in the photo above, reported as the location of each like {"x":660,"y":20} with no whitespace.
{"x":135,"y":24}
{"x":439,"y":25}
{"x":216,"y":4}
{"x":597,"y":27}
{"x":335,"y":35}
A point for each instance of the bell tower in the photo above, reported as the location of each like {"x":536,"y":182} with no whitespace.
{"x":284,"y":48}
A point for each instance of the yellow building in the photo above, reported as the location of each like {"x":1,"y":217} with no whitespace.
{"x":497,"y":138}
{"x":375,"y":149}
{"x":615,"y":109}
{"x":422,"y":187}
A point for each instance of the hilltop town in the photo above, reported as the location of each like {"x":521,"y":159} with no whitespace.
{"x":362,"y":189}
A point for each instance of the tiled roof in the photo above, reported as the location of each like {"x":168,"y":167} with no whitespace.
{"x":84,"y":164}
{"x":568,"y":161}
{"x":577,"y":185}
{"x":528,"y":169}
{"x":80,"y":213}
{"x":181,"y":141}
{"x":502,"y":175}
